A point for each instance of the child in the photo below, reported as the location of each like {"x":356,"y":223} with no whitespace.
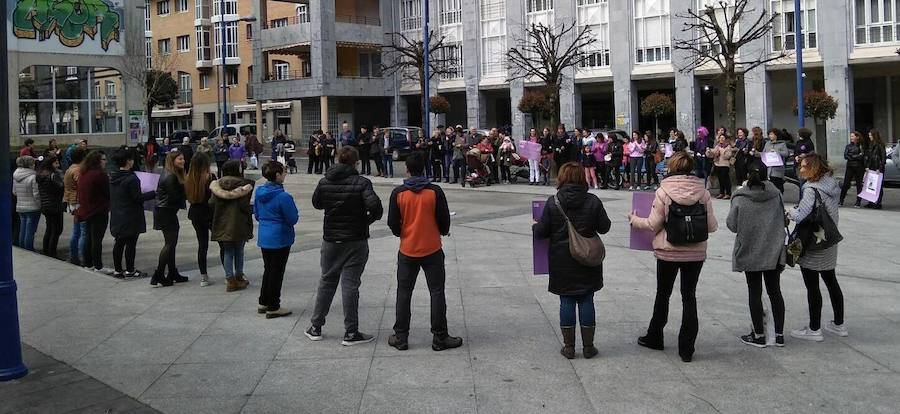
{"x":277,"y":214}
{"x":588,"y":162}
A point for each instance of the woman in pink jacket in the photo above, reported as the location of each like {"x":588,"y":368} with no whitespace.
{"x":636,"y":159}
{"x":685,"y":191}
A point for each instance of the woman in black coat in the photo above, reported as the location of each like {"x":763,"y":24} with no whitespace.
{"x":573,"y":282}
{"x":126,"y":219}
{"x":51,"y":188}
{"x":170,"y":198}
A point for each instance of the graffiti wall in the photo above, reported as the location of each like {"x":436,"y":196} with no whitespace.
{"x":91,"y":27}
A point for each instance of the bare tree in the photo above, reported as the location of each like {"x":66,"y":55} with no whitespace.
{"x":545,"y":53}
{"x":134,"y":68}
{"x":406,"y":55}
{"x":714,"y":36}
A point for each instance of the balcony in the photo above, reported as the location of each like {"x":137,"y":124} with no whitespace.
{"x":283,"y":75}
{"x":185,"y":97}
{"x":356,"y":19}
{"x":286,"y":21}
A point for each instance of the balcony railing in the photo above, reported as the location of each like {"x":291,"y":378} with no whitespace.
{"x":185,"y":97}
{"x":287,"y":75}
{"x":353,"y":19}
{"x":286,"y":21}
{"x":451,"y":17}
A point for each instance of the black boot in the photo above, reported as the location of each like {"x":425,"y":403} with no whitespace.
{"x":568,"y":349}
{"x":647,"y":342}
{"x":587,"y":340}
{"x":445,"y":341}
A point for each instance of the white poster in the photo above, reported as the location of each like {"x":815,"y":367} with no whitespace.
{"x":87,"y":27}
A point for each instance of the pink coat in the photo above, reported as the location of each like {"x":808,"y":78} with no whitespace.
{"x":685,"y":190}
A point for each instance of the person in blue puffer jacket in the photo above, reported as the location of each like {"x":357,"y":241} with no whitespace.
{"x":277,"y":214}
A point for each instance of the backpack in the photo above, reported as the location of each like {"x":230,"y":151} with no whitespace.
{"x":686,"y":224}
{"x":589,"y":251}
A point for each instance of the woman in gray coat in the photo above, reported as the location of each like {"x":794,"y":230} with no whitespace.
{"x":776,"y":145}
{"x":757,"y":216}
{"x":818,"y":175}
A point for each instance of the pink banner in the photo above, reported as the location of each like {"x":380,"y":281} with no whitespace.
{"x":641,"y":203}
{"x":871,"y":186}
{"x":541,"y":247}
{"x":529,"y":150}
{"x":772,"y":159}
{"x":149,"y":181}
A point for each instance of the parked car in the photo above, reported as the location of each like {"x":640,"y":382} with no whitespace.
{"x":233,"y":129}
{"x":892,"y":168}
{"x":194,"y":135}
{"x":402,"y":139}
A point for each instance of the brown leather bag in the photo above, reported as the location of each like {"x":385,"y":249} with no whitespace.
{"x":589,"y":251}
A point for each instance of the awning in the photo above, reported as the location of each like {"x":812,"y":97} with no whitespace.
{"x":292,"y":49}
{"x":265,"y":107}
{"x":171,"y":113}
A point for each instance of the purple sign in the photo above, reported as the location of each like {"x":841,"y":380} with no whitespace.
{"x":641,"y":203}
{"x":541,"y":247}
{"x":871,"y":186}
{"x":530,"y":150}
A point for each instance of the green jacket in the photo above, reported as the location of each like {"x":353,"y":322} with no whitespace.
{"x":232,"y":214}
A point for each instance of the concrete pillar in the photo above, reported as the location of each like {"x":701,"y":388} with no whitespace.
{"x":400,"y":117}
{"x":323,"y":52}
{"x":296,"y":119}
{"x":834,"y":46}
{"x":323,"y":112}
{"x":687,"y":96}
{"x":515,"y":30}
{"x":622,"y":56}
{"x":564,"y":14}
{"x":471,"y":23}
{"x":757,"y":96}
{"x":521,"y":121}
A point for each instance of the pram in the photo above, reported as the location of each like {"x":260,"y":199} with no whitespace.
{"x":286,"y":156}
{"x":477,"y":173}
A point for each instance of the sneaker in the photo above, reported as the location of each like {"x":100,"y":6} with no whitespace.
{"x":118,"y":275}
{"x":753,"y":340}
{"x":158,"y":281}
{"x":397,"y":342}
{"x":204,"y":281}
{"x":314,"y":333}
{"x":356,"y":338}
{"x":839,"y":330}
{"x":105,"y":271}
{"x":808,"y":334}
{"x":277,"y":313}
{"x":445,"y":343}
{"x":779,"y":341}
{"x":135,"y":274}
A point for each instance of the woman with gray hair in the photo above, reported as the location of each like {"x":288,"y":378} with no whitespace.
{"x":28,"y":200}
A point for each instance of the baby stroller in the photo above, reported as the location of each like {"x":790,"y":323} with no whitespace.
{"x":286,"y":156}
{"x":517,"y":171}
{"x":477,"y":172}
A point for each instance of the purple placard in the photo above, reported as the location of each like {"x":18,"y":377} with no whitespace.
{"x":641,"y":202}
{"x":772,"y":159}
{"x":149,"y":182}
{"x":529,"y":150}
{"x":541,"y":247}
{"x":871,"y":186}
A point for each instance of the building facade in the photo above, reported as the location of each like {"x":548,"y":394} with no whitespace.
{"x":850,"y":51}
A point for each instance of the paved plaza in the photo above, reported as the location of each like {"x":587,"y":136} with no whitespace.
{"x":188,"y":349}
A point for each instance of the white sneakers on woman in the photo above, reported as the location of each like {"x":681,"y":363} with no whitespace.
{"x":818,"y":336}
{"x":839,"y":330}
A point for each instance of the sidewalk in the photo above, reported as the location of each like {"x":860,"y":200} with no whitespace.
{"x":195,"y":350}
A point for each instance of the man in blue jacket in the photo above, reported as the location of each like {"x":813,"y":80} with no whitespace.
{"x":277,"y":214}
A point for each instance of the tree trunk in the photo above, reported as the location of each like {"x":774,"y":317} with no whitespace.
{"x":149,"y":121}
{"x":553,"y":94}
{"x":731,"y":96}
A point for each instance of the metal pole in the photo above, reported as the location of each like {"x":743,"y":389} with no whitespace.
{"x":11,"y":365}
{"x":224,"y":72}
{"x":798,"y":44}
{"x":426,"y":48}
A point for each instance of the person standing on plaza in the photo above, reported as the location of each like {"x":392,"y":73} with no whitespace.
{"x":28,"y":200}
{"x":776,"y":145}
{"x":534,"y":169}
{"x":170,"y":198}
{"x":70,"y":197}
{"x":573,"y":282}
{"x":820,"y":185}
{"x":855,"y":170}
{"x":616,"y":150}
{"x":151,"y":154}
{"x":876,"y":160}
{"x":505,"y":158}
{"x":187,"y":150}
{"x":166,"y":147}
{"x":721,"y":157}
{"x":28,"y":149}
{"x":652,"y":156}
{"x":204,"y":148}
{"x":805,"y":145}
{"x":376,"y":148}
{"x":635,"y":151}
{"x":277,"y":215}
{"x":126,"y":219}
{"x":198,"y":193}
{"x":53,"y":150}
{"x":232,"y":222}
{"x":742,"y":158}
{"x":93,"y":208}
{"x":51,"y":187}
{"x":351,"y":206}
{"x":599,"y":151}
{"x":757,"y":217}
{"x":364,"y":140}
{"x":347,"y":137}
{"x":329,"y":149}
{"x":687,"y":192}
{"x":387,"y":153}
{"x":314,"y":151}
{"x":699,"y":147}
{"x":589,"y":164}
{"x":237,"y":152}
{"x":435,"y":150}
{"x":220,"y":153}
{"x":254,"y":148}
{"x":548,"y":155}
{"x":418,"y":214}
{"x":461,"y":147}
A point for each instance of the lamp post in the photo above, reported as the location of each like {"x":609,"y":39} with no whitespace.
{"x":11,"y":365}
{"x":223,"y":56}
{"x":798,"y":50}
{"x":426,"y":50}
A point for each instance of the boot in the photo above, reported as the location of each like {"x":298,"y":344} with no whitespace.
{"x":587,"y":340}
{"x":568,"y":334}
{"x":241,"y":281}
{"x":232,"y":284}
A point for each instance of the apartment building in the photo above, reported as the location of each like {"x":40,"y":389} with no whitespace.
{"x":185,"y":38}
{"x":850,"y":50}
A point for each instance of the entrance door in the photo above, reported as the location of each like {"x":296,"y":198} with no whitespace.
{"x":708,"y":109}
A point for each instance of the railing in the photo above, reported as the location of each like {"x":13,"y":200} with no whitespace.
{"x":184,"y":97}
{"x":411,"y":23}
{"x":286,"y":21}
{"x":349,"y":18}
{"x":287,"y":75}
{"x":451,"y":17}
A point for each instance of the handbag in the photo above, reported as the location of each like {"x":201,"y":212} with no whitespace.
{"x":816,"y":232}
{"x":589,"y":251}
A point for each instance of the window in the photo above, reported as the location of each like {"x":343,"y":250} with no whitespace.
{"x":231,"y":75}
{"x":282,"y":69}
{"x":539,"y":5}
{"x":56,"y":100}
{"x":181,"y":6}
{"x":204,"y":81}
{"x":493,"y":37}
{"x":148,"y":51}
{"x":302,"y":13}
{"x":164,"y":46}
{"x":184,"y":43}
{"x":452,"y":54}
{"x":410,"y":14}
{"x":201,"y":9}
{"x":203,"y":47}
{"x":231,"y":50}
{"x":784,"y":34}
{"x":230,"y":7}
{"x":369,"y":64}
{"x":162,"y":7}
{"x":876,"y":21}
{"x":279,"y":22}
{"x":451,"y":12}
{"x":652,"y":38}
{"x":184,"y":81}
{"x":595,"y":15}
{"x":539,"y":12}
{"x":147,"y":15}
{"x":249,"y":28}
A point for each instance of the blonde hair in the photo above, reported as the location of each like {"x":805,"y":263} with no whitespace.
{"x":816,"y":167}
{"x":170,"y":165}
{"x":197,"y":179}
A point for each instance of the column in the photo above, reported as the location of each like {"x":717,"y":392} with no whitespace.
{"x":399,"y":111}
{"x":515,"y":29}
{"x":622,"y":61}
{"x":471,"y":26}
{"x":757,"y":97}
{"x":296,"y":119}
{"x":687,"y":97}
{"x":322,"y":47}
{"x":259,"y":121}
{"x":521,"y":122}
{"x":564,"y":14}
{"x":835,"y":50}
{"x":323,"y":112}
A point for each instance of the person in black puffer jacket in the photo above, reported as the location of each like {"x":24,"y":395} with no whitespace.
{"x":350,"y":205}
{"x":170,"y":198}
{"x":855,"y":157}
{"x":51,"y":188}
{"x":572,"y":281}
{"x":126,"y":219}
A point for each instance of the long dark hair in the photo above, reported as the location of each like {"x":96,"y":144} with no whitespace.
{"x":197,"y":180}
{"x":232,"y":169}
{"x":756,"y":173}
{"x":92,"y":161}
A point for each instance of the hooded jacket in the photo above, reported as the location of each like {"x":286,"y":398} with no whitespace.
{"x":757,"y":217}
{"x":51,"y":188}
{"x":28,"y":196}
{"x":127,"y":204}
{"x":93,"y":194}
{"x":418,"y":214}
{"x":231,"y":209}
{"x":585,"y":210}
{"x":277,"y":214}
{"x":830,"y":192}
{"x":684,"y":190}
{"x":350,"y":204}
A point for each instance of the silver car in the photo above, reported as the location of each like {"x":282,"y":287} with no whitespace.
{"x":892,"y":168}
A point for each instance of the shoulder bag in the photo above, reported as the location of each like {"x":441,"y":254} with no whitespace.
{"x":589,"y":251}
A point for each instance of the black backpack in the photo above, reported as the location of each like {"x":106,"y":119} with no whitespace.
{"x":686,"y":224}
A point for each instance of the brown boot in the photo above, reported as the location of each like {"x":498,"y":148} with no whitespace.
{"x":587,"y":340}
{"x":232,"y":284}
{"x":568,"y":334}
{"x":241,"y":281}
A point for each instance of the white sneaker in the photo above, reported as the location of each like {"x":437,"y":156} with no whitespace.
{"x":204,"y":281}
{"x":105,"y":271}
{"x":839,"y":330}
{"x":808,"y":334}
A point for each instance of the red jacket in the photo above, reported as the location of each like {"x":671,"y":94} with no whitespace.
{"x":419,"y":215}
{"x":93,"y":194}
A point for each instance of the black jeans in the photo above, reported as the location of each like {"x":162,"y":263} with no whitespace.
{"x":504,"y":172}
{"x":274,"y":262}
{"x":379,"y":165}
{"x":366,"y":166}
{"x":93,"y":248}
{"x":437,"y":169}
{"x":650,"y":164}
{"x":167,"y":254}
{"x":128,"y":246}
{"x":459,"y":170}
{"x":603,"y":173}
{"x":814,"y":296}
{"x":314,"y":164}
{"x":407,"y":272}
{"x":51,"y":233}
{"x":779,"y":183}
{"x":773,"y":286}
{"x":852,"y":174}
{"x":201,"y":228}
{"x":616,"y":174}
{"x":724,"y":176}
{"x":666,"y":273}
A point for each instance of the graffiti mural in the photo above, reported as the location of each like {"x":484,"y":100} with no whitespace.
{"x":69,"y":20}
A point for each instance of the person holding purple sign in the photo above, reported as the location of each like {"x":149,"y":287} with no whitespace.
{"x":126,"y":219}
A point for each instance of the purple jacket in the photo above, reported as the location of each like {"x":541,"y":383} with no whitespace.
{"x":236,"y":152}
{"x":599,"y":150}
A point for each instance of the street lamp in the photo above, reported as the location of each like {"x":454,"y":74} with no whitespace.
{"x":426,"y":49}
{"x":798,"y":50}
{"x":222,"y":56}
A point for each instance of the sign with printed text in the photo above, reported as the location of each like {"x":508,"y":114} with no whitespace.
{"x":772,"y":159}
{"x":871,"y":186}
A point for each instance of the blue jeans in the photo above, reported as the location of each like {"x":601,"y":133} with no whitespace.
{"x":233,"y":258}
{"x":445,"y":167}
{"x":28,"y":223}
{"x":388,"y":162}
{"x":76,"y":242}
{"x":585,"y":310}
